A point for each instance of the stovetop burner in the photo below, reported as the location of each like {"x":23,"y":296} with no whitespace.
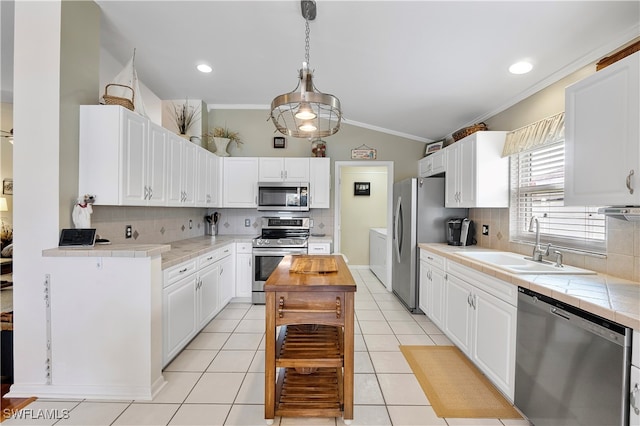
{"x":283,"y":233}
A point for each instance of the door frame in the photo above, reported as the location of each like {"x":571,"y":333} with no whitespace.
{"x":338,"y":165}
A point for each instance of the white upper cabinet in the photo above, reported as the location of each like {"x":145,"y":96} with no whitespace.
{"x":121,"y":157}
{"x":207,"y":179}
{"x":181,"y":172}
{"x":602,"y":137}
{"x":240,"y":177}
{"x":320,"y":183}
{"x":277,"y":169}
{"x":476,"y":173}
{"x":433,"y":164}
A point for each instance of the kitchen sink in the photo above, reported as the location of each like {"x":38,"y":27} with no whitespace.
{"x":519,"y":264}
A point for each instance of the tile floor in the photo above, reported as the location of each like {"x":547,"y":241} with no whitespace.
{"x":219,"y":378}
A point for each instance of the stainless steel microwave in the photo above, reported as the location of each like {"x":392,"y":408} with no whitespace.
{"x":283,"y":196}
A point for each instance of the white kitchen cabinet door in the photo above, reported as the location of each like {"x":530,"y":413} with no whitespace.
{"x":208,"y":298}
{"x":458,"y":313}
{"x":214,"y":179}
{"x":476,"y":173}
{"x":202,"y":185}
{"x":320,"y":183}
{"x":134,"y":164}
{"x":437,"y":304}
{"x":243,"y":270}
{"x":433,"y":164}
{"x":179,"y":320}
{"x":175,"y":166}
{"x":602,"y":134}
{"x":157,"y":149}
{"x":424,"y":296}
{"x":227,"y":280}
{"x":240,"y":182}
{"x":189,"y":174}
{"x":494,"y":334}
{"x":278,"y":169}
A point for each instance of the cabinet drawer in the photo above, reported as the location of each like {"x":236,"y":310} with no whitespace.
{"x":310,"y":307}
{"x":225,"y":251}
{"x":243,"y":247}
{"x":432,"y":259}
{"x":319,"y":248}
{"x":208,"y":259}
{"x":180,"y":271}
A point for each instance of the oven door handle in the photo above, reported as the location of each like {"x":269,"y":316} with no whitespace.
{"x":262,"y":252}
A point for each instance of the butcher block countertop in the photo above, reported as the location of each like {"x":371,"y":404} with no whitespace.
{"x":613,"y":298}
{"x":311,"y":273}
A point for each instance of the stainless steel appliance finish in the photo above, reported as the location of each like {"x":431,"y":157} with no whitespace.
{"x":419,"y":216}
{"x":572,"y":367}
{"x":630,"y":213}
{"x":283,"y":196}
{"x":280,"y":236}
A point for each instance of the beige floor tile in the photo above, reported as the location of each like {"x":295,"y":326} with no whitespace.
{"x":381,"y":342}
{"x":358,"y":343}
{"x":389,"y":362}
{"x":406,"y":327}
{"x":247,"y":415}
{"x":440,"y":340}
{"x":251,"y":390}
{"x":307,"y":421}
{"x":221,"y":325}
{"x":216,"y":388}
{"x":192,"y":360}
{"x":231,"y":314}
{"x":392,"y":305}
{"x":179,"y":384}
{"x":415,"y":339}
{"x":369,"y":315}
{"x":366,"y":390}
{"x":398,"y":315}
{"x":201,"y":414}
{"x":414,"y":416}
{"x":368,"y":415}
{"x":257,"y":364}
{"x":251,"y":326}
{"x":515,"y":422}
{"x":147,"y":414}
{"x":375,"y":327}
{"x":366,"y":305}
{"x":473,"y":422}
{"x":362,"y":363}
{"x":243,"y":341}
{"x":209,"y":341}
{"x":431,"y":328}
{"x":94,"y":413}
{"x":232,"y":361}
{"x":256,"y":312}
{"x":402,"y":389}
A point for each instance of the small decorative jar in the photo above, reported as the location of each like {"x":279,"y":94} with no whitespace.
{"x":318,"y":148}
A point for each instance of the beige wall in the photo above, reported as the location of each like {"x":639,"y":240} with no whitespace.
{"x":360,"y":213}
{"x":623,"y":238}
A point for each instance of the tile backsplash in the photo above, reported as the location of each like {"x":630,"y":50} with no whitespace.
{"x":161,"y":225}
{"x":623,"y":244}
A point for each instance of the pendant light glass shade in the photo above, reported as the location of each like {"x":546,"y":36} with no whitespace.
{"x":306,"y":112}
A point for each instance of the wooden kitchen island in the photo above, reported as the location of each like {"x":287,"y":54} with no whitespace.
{"x":311,"y":298}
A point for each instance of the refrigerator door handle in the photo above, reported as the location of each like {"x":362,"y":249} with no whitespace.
{"x":398,"y":228}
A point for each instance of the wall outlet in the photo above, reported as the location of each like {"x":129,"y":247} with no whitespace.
{"x":247,"y":223}
{"x":190,"y":224}
{"x":127,"y":231}
{"x":485,"y":229}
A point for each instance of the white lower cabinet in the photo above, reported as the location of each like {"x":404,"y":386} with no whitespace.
{"x":634,"y":395}
{"x":193,"y":293}
{"x":480,"y":319}
{"x":243,"y":270}
{"x":432,"y":287}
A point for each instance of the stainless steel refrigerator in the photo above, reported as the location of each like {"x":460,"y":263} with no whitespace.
{"x":419,"y":216}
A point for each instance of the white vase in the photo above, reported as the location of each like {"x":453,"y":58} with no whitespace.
{"x":221,"y":146}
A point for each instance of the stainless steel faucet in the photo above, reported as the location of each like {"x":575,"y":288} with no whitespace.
{"x":538,"y":251}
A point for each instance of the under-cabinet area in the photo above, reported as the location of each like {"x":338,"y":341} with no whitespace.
{"x":528,"y":351}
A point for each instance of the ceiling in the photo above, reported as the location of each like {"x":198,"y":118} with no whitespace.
{"x":419,"y":69}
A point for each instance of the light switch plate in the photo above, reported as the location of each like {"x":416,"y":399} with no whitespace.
{"x":247,"y":222}
{"x":485,"y":229}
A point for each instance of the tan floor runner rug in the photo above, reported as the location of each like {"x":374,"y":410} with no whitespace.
{"x":454,"y":386}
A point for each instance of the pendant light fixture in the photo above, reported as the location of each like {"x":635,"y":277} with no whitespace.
{"x":306,"y":112}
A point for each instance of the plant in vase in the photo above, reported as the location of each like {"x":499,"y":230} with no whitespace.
{"x":184,"y":116}
{"x":221,"y":137}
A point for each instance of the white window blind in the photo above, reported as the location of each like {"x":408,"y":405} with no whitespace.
{"x":537,"y":189}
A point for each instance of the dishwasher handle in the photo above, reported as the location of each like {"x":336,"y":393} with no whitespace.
{"x":559,"y":313}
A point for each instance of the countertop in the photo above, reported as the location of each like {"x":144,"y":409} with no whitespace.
{"x":109,"y":250}
{"x":320,"y":240}
{"x":613,"y":298}
{"x":193,"y":247}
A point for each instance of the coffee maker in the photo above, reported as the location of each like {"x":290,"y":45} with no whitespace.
{"x":460,"y":232}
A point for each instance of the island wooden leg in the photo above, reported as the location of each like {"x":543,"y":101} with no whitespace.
{"x":348,"y":357}
{"x":270,"y":358}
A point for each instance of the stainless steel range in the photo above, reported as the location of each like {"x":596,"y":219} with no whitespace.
{"x":280,"y":236}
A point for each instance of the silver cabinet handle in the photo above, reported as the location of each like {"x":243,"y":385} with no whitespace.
{"x":150,"y":193}
{"x":629,"y":181}
{"x":633,"y":399}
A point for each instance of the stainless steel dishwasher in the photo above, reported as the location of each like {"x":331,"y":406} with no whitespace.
{"x":572,"y":367}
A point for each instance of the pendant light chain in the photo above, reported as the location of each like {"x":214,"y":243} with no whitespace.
{"x":306,"y":39}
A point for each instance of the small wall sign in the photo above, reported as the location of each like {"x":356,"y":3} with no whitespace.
{"x":279,"y":142}
{"x":362,"y":188}
{"x":364,"y":152}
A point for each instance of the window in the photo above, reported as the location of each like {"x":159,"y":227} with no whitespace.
{"x":537,"y":189}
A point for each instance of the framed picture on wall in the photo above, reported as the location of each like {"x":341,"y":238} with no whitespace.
{"x":7,"y":186}
{"x":279,"y":142}
{"x":362,"y":188}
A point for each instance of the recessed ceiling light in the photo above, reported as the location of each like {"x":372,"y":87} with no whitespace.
{"x":520,"y":67}
{"x":204,"y":68}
